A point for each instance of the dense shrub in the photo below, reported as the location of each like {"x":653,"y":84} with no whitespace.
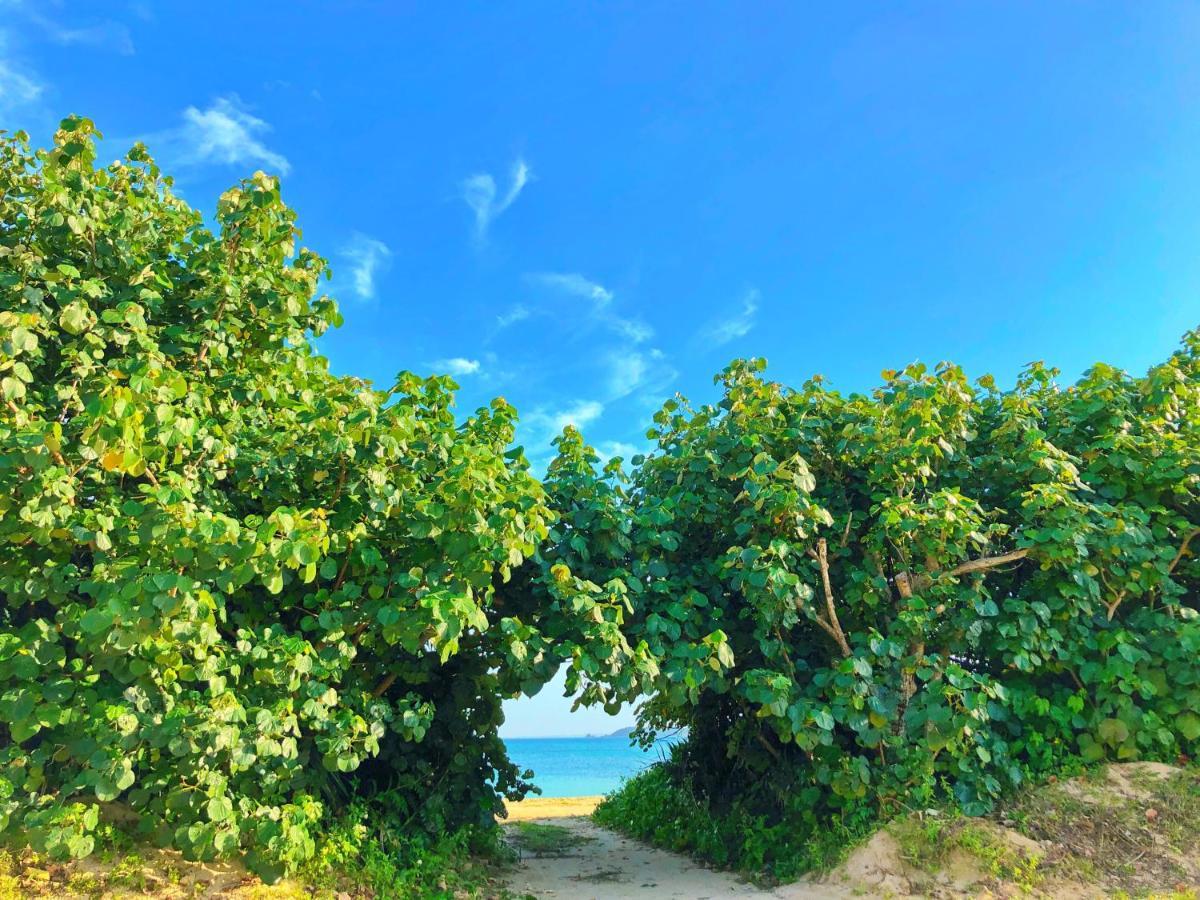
{"x":240,"y":593}
{"x":660,"y":805}
{"x":936,"y":587}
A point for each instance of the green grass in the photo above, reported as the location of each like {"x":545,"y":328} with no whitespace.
{"x":654,"y":808}
{"x":927,"y":841}
{"x":538,"y":839}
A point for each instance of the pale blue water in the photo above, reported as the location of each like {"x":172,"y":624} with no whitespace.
{"x":577,"y":767}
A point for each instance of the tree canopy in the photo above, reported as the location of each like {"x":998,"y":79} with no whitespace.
{"x":240,"y":591}
{"x":939,"y":585}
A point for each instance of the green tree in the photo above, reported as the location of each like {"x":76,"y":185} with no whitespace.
{"x":241,"y":593}
{"x":855,"y":601}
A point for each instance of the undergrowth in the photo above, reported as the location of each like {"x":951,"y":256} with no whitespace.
{"x":927,"y":841}
{"x":353,"y":859}
{"x":655,"y":808}
{"x":1131,"y":830}
{"x":542,"y":839}
{"x":386,"y":862}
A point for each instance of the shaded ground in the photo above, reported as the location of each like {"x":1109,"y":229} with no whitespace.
{"x":161,"y":874}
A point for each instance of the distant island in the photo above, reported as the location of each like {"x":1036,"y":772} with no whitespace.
{"x":620,"y":732}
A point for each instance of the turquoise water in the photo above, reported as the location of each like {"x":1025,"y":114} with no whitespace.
{"x":583,"y":766}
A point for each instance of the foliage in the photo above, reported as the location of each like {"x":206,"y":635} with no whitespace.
{"x":926,"y":842}
{"x":363,"y":855}
{"x":240,"y":592}
{"x":659,"y":806}
{"x":243,"y":595}
{"x":545,"y":839}
{"x":861,"y":602}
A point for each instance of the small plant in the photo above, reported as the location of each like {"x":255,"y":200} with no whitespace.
{"x":661,"y":807}
{"x":1004,"y":862}
{"x":541,"y":839}
{"x":922,"y":839}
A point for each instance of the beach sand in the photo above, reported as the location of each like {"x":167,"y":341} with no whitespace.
{"x":551,"y":808}
{"x":598,"y":864}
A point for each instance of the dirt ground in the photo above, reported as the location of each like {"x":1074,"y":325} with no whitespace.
{"x":603,"y":865}
{"x":1124,"y":830}
{"x":1128,"y":830}
{"x":576,"y":859}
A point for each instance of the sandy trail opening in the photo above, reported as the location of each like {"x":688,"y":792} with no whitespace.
{"x":609,"y":866}
{"x":598,"y":864}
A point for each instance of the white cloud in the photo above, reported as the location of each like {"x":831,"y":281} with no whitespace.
{"x":633,"y":329}
{"x":17,"y":90}
{"x":626,"y":370}
{"x":106,"y":35}
{"x":479,"y":193}
{"x":512,"y":317}
{"x":366,"y":257}
{"x":457,"y":365}
{"x":224,"y":134}
{"x":20,"y":87}
{"x":735,"y":326}
{"x":550,"y":423}
{"x":575,"y":285}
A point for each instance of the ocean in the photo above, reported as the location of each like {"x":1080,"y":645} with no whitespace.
{"x":582,"y":766}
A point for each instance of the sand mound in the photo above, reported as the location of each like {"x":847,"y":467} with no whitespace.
{"x":1132,"y":828}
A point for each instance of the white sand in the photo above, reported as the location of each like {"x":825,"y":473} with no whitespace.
{"x":611,"y":866}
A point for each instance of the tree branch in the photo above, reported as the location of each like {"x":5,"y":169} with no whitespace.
{"x":341,"y":575}
{"x":1183,"y":549}
{"x":906,"y":583}
{"x":988,"y":562}
{"x":384,"y":685}
{"x":830,"y":623}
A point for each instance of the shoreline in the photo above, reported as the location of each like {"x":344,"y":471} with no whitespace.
{"x":550,"y":808}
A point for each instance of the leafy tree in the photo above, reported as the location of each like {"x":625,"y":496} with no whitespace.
{"x":241,"y":593}
{"x":855,"y":601}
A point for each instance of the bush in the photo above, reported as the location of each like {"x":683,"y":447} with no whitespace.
{"x":661,"y":806}
{"x":859,"y":603}
{"x":241,"y":593}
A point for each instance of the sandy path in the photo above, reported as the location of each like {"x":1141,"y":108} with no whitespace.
{"x":610,"y":866}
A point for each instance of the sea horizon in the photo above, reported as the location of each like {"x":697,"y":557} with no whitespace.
{"x":583,"y":765}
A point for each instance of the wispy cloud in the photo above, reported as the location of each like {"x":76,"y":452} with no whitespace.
{"x":574,"y":285}
{"x":20,"y":86}
{"x":457,"y":365}
{"x":17,"y":90}
{"x":107,"y":35}
{"x":366,"y":257}
{"x":626,"y":371}
{"x":631,"y":371}
{"x":479,"y":193}
{"x":550,"y":422}
{"x":735,"y":326}
{"x":226,"y":133}
{"x":632,"y":329}
{"x":104,"y":35}
{"x":512,"y":317}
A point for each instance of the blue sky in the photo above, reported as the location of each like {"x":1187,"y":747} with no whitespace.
{"x":586,"y":208}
